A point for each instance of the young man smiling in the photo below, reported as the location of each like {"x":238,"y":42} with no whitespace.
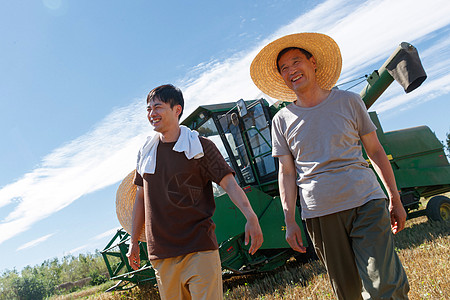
{"x":174,"y":198}
{"x":317,"y":141}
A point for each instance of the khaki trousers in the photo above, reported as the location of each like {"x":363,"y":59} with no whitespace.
{"x":357,"y":249}
{"x":193,"y":276}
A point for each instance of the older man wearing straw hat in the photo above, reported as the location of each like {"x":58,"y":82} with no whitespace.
{"x":317,"y":141}
{"x":174,"y":174}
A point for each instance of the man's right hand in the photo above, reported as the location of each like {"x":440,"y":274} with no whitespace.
{"x":133,"y":256}
{"x":294,"y":237}
{"x":253,"y":231}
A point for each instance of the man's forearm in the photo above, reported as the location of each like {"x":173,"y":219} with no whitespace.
{"x":287,"y":176}
{"x":288,"y":195}
{"x":238,"y":197}
{"x":381,"y":164}
{"x":138,"y":218}
{"x":384,"y":170}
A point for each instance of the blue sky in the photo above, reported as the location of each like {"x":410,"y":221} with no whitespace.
{"x":74,"y":77}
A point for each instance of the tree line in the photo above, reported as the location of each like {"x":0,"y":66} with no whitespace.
{"x":42,"y":281}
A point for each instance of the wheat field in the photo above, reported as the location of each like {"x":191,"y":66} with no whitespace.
{"x":423,"y":248}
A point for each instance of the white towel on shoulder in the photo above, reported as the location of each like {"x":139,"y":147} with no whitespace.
{"x":188,"y":142}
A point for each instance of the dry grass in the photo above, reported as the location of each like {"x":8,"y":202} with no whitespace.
{"x":423,"y":247}
{"x":88,"y":293}
{"x":425,"y":252}
{"x":293,"y":281}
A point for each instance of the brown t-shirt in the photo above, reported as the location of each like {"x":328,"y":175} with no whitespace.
{"x":179,"y":201}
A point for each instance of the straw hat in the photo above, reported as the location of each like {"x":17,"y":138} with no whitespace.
{"x":266,"y":77}
{"x":125,"y":197}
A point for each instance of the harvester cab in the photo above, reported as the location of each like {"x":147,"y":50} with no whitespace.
{"x":241,"y":131}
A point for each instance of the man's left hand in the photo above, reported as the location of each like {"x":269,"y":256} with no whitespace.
{"x":397,"y":214}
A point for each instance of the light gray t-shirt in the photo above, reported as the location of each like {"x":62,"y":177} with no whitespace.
{"x":325,"y":142}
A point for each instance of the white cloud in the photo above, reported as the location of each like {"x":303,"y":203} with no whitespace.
{"x":436,"y":61}
{"x":93,"y":161}
{"x":97,"y":241}
{"x":367,"y":33}
{"x":106,"y":234}
{"x":428,"y":91}
{"x":35,"y":242}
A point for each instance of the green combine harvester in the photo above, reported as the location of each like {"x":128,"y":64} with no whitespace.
{"x":242,"y":133}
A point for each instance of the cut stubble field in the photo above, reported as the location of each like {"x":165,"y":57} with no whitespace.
{"x":423,"y":248}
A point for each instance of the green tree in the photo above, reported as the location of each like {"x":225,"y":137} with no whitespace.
{"x":7,"y":284}
{"x":97,"y":278}
{"x":29,"y":288}
{"x":41,"y":280}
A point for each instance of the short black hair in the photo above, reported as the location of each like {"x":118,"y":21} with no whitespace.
{"x":305,"y":52}
{"x":167,"y":93}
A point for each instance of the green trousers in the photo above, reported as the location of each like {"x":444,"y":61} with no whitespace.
{"x":357,"y":249}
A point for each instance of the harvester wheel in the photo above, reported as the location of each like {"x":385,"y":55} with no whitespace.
{"x":438,"y":208}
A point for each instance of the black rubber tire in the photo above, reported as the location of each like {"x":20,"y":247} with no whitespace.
{"x":438,"y":208}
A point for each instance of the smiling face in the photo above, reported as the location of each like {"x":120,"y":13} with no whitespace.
{"x":298,"y":72}
{"x":163,"y":117}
